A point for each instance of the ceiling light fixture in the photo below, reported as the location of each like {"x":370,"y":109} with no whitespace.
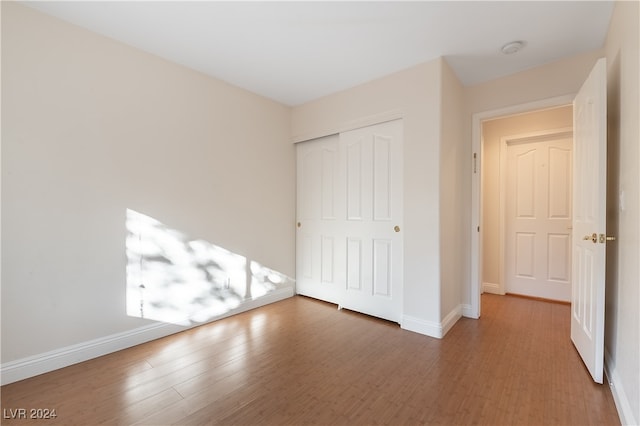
{"x":513,"y":47}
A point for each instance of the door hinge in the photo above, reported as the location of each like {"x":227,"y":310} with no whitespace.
{"x":475,"y":162}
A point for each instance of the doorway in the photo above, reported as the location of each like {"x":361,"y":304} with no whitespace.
{"x":526,"y":204}
{"x":482,"y":157}
{"x":588,"y":217}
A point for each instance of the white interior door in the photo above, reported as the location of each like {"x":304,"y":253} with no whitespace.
{"x":372,"y":165}
{"x":589,"y":220}
{"x":349,"y":240}
{"x":538,"y":216}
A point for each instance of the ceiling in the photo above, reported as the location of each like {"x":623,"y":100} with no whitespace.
{"x":294,"y":52}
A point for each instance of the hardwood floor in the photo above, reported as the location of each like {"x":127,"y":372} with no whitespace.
{"x":301,"y":361}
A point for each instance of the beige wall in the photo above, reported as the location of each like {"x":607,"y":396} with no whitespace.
{"x":454,"y":215}
{"x":622,"y":324}
{"x":90,"y":128}
{"x":492,"y":132}
{"x":559,"y":78}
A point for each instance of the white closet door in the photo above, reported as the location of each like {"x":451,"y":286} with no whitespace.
{"x":320,"y":209}
{"x":372,"y":163}
{"x":349,"y":240}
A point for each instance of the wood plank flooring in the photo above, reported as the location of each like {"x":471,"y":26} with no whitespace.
{"x":301,"y":361}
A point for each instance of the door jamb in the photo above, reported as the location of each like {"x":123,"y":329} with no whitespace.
{"x":476,"y":199}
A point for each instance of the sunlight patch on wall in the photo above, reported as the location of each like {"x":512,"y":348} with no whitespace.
{"x":174,"y":279}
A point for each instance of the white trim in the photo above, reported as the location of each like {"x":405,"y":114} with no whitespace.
{"x":24,"y":368}
{"x":451,"y":319}
{"x":466,"y":311}
{"x":620,"y":397}
{"x":418,"y":325}
{"x":476,"y":212}
{"x":476,"y":217}
{"x":431,"y":328}
{"x":358,"y":123}
{"x":492,"y":288}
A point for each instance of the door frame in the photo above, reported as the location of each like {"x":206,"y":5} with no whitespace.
{"x":476,"y":192}
{"x":530,"y":137}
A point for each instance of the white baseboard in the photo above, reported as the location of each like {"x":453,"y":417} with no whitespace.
{"x":492,"y":288}
{"x":431,"y":328}
{"x":619,"y":395}
{"x":24,"y":368}
{"x":418,"y":325}
{"x":467,"y":312}
{"x":451,"y":318}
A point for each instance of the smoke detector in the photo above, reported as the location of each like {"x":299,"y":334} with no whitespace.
{"x":513,"y":47}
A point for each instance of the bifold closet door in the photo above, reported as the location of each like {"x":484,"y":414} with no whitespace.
{"x":350,"y":219}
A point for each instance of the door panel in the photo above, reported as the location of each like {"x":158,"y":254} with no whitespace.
{"x":559,"y":257}
{"x":354,"y":264}
{"x":560,"y":190}
{"x":525,"y":251}
{"x":589,"y":206}
{"x":328,"y":184}
{"x":382,"y":177}
{"x":354,"y":180}
{"x":305,"y":257}
{"x":327,"y":260}
{"x":525,"y":184}
{"x":382,"y":280}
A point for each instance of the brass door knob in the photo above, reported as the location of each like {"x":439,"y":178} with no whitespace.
{"x":396,"y":228}
{"x":593,"y":237}
{"x":604,"y":238}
